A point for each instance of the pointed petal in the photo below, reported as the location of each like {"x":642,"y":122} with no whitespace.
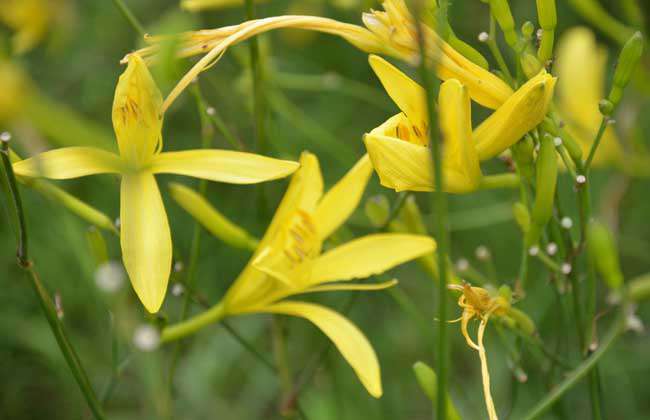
{"x":343,"y":198}
{"x":400,"y":165}
{"x":334,"y":287}
{"x":223,"y":166}
{"x":369,"y":255}
{"x":456,"y":127}
{"x":145,"y":239}
{"x":518,"y":115}
{"x":69,"y":162}
{"x":347,"y":338}
{"x":408,"y":95}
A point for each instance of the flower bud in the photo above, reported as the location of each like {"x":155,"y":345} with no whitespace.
{"x":500,"y":9}
{"x":527,"y":29}
{"x":377,"y":209}
{"x":605,"y":107}
{"x":530,"y":64}
{"x":428,"y":381}
{"x":546,"y":180}
{"x":522,"y":216}
{"x":547,"y":17}
{"x":211,"y":219}
{"x":522,"y":320}
{"x":604,"y":254}
{"x":627,"y":62}
{"x":639,"y":288}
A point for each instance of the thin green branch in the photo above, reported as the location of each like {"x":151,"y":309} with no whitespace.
{"x":130,"y":17}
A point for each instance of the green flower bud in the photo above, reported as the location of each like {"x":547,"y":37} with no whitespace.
{"x":604,"y":254}
{"x":211,"y":218}
{"x":522,"y":152}
{"x":547,"y":17}
{"x":639,"y":288}
{"x":500,"y":9}
{"x":545,"y":182}
{"x":522,"y":321}
{"x":468,"y":51}
{"x":522,"y":216}
{"x":606,"y":107}
{"x":627,"y":62}
{"x":528,"y":29}
{"x":530,"y":64}
{"x":377,"y":209}
{"x":428,"y":381}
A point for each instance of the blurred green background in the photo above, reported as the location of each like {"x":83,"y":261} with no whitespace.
{"x":322,"y":97}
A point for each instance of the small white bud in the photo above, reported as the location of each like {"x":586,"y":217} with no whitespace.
{"x":611,"y":121}
{"x":5,"y":136}
{"x":483,"y":37}
{"x":540,"y":33}
{"x":110,"y":276}
{"x":178,"y":266}
{"x":462,"y":265}
{"x":581,"y":179}
{"x":593,"y":346}
{"x":482,"y":253}
{"x":566,"y":268}
{"x":178,"y":289}
{"x":117,"y":223}
{"x":634,"y":323}
{"x":533,"y":250}
{"x":58,"y":305}
{"x":566,"y":222}
{"x":557,"y":141}
{"x":146,"y":338}
{"x":551,"y":248}
{"x":210,"y":110}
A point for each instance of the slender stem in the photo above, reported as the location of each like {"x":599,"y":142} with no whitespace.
{"x":45,"y":300}
{"x":578,"y":373}
{"x":439,"y":203}
{"x":130,"y":17}
{"x":394,"y":211}
{"x":248,"y":346}
{"x":496,"y":51}
{"x":259,"y":99}
{"x":491,"y":182}
{"x":192,"y":325}
{"x":594,"y":145}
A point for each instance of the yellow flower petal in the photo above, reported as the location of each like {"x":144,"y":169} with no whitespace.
{"x":369,"y":255}
{"x":456,"y":127}
{"x":343,"y":198}
{"x":137,"y":113}
{"x":223,"y":166}
{"x":519,"y":114}
{"x":408,"y":95}
{"x":347,"y":338}
{"x":334,"y":287}
{"x":145,"y":239}
{"x":210,"y":218}
{"x":69,"y":162}
{"x":401,"y":165}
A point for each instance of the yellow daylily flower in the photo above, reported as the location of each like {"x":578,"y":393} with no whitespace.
{"x":391,"y":32}
{"x":137,"y":120}
{"x":478,"y":303}
{"x":290,"y":261}
{"x":399,"y":147}
{"x":199,"y":5}
{"x":522,"y":112}
{"x":580,"y":67}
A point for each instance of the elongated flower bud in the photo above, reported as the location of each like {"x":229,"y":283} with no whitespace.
{"x":522,"y":216}
{"x":522,"y":112}
{"x":604,"y":255}
{"x":547,"y":16}
{"x":546,"y":180}
{"x":211,"y":219}
{"x":530,"y":64}
{"x":522,"y":320}
{"x":627,"y":62}
{"x":500,"y":9}
{"x":428,"y":381}
{"x":639,"y":288}
{"x":137,"y":113}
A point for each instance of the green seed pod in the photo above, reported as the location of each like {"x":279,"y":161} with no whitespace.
{"x":545,"y":182}
{"x":523,"y":321}
{"x":547,"y":17}
{"x":605,"y":107}
{"x":428,"y":381}
{"x":604,"y":254}
{"x":500,"y":9}
{"x":638,"y":289}
{"x":522,"y":216}
{"x":377,"y":209}
{"x":627,"y":62}
{"x":530,"y":64}
{"x":528,"y":29}
{"x":211,"y":218}
{"x":97,"y":246}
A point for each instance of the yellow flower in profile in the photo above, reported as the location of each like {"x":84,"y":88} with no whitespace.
{"x":29,"y":19}
{"x":399,"y":147}
{"x":390,"y":32}
{"x":290,"y":260}
{"x":477,"y":303}
{"x":580,"y":67}
{"x":144,"y":233}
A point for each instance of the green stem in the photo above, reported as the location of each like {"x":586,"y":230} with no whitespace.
{"x":130,"y":17}
{"x":45,"y":300}
{"x":491,"y":182}
{"x":190,"y":326}
{"x":259,"y":105}
{"x":594,"y":145}
{"x":496,"y":51}
{"x":581,"y":371}
{"x":439,"y":203}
